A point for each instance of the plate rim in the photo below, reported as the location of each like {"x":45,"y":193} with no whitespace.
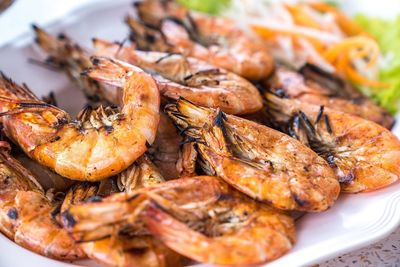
{"x":379,"y":229}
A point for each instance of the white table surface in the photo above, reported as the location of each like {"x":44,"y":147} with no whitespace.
{"x":17,"y":19}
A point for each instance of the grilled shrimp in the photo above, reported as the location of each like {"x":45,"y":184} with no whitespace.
{"x":164,"y":152}
{"x":263,"y":163}
{"x":120,"y":249}
{"x":27,"y":216}
{"x":213,"y":39}
{"x":198,"y":81}
{"x":364,"y":155}
{"x":200,"y":217}
{"x":314,"y":86}
{"x":176,"y":75}
{"x":101,"y":142}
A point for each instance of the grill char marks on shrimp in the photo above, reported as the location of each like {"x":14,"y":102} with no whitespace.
{"x":101,"y":142}
{"x":261,"y":162}
{"x":364,"y":155}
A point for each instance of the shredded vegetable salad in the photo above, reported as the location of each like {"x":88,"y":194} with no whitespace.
{"x":387,"y":34}
{"x":319,"y":33}
{"x":212,"y":7}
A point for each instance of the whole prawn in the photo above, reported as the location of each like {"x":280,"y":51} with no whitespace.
{"x":364,"y":155}
{"x":176,"y":75}
{"x":119,"y":248}
{"x":261,"y":162}
{"x":213,"y":39}
{"x":200,"y":217}
{"x":314,"y":86}
{"x":27,"y":215}
{"x":101,"y":142}
{"x":198,"y":81}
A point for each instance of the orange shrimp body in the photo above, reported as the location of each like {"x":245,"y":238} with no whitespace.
{"x":119,"y":249}
{"x":216,"y":40}
{"x":364,"y":155}
{"x":200,"y":217}
{"x":27,"y":216}
{"x":261,"y":162}
{"x":317,"y":87}
{"x":196,"y":80}
{"x":102,"y":142}
{"x":176,"y":75}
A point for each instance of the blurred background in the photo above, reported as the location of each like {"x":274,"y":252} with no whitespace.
{"x":16,"y":19}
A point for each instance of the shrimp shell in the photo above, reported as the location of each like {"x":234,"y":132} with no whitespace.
{"x":213,"y":39}
{"x":119,"y":248}
{"x":214,"y":221}
{"x":198,"y":81}
{"x":73,"y":59}
{"x":364,"y":155}
{"x":103,"y":141}
{"x":28,"y":217}
{"x":176,"y":75}
{"x":263,"y":163}
{"x":316,"y":87}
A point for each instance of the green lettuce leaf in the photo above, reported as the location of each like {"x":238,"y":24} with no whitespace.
{"x":213,"y":7}
{"x":387,"y":34}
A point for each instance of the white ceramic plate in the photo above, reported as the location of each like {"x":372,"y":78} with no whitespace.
{"x":354,"y":221}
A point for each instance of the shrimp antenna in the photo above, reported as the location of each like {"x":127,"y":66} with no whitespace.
{"x":187,"y":128}
{"x":320,"y":112}
{"x":328,"y":124}
{"x":121,"y":45}
{"x":47,"y":64}
{"x":307,"y":122}
{"x":165,"y":57}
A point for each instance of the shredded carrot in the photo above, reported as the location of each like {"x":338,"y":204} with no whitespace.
{"x":345,"y":23}
{"x":301,"y":17}
{"x":343,"y":54}
{"x":270,"y":35}
{"x":357,"y":42}
{"x":293,"y":30}
{"x":323,"y":45}
{"x":341,"y":64}
{"x":318,"y":46}
{"x":264,"y":32}
{"x":355,"y":77}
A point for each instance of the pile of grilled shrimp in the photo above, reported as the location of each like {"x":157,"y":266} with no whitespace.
{"x":196,"y":147}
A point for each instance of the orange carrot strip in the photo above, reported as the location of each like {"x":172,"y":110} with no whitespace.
{"x":348,"y":26}
{"x":354,"y":76}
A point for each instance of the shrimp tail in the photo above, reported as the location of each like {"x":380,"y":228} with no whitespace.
{"x":62,"y":52}
{"x":146,"y":38}
{"x":45,"y":40}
